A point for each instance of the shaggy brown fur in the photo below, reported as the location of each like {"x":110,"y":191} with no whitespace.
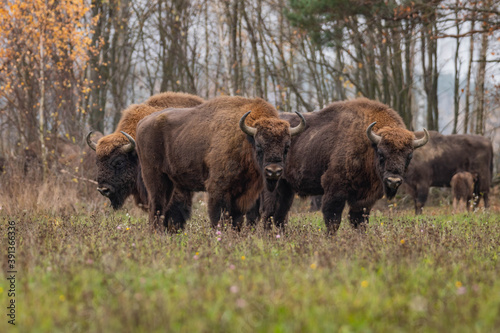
{"x":462,"y":188}
{"x":119,"y":174}
{"x":173,"y":100}
{"x":444,"y":156}
{"x":334,"y":157}
{"x":134,"y":113}
{"x":203,"y":148}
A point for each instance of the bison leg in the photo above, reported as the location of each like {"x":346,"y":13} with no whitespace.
{"x":358,"y":216}
{"x":222,"y":208}
{"x":160,"y":189}
{"x":253,"y":215}
{"x":218,"y":208}
{"x":332,"y":208}
{"x":276,"y":205}
{"x":420,"y":199}
{"x":486,"y":200}
{"x":455,"y":205}
{"x":237,"y":218}
{"x":179,"y":211}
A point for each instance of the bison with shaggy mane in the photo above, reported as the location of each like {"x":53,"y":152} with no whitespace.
{"x":229,"y":146}
{"x":353,"y":151}
{"x":119,"y":171}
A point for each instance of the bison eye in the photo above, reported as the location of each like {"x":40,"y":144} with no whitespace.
{"x":381,"y":157}
{"x":258,"y":149}
{"x":118,"y":164}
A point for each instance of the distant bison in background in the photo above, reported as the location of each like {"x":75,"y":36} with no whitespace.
{"x":353,"y":151}
{"x":62,"y":153}
{"x":445,"y":155}
{"x":229,"y":146}
{"x":462,"y":188}
{"x":119,"y":171}
{"x":315,"y":203}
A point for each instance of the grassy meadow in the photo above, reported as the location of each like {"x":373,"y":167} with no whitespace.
{"x":84,"y":268}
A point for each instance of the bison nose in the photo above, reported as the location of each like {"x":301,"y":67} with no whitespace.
{"x":104,"y":191}
{"x":274,"y":172}
{"x":393,"y":182}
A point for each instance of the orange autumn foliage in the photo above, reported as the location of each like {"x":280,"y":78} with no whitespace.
{"x":55,"y":35}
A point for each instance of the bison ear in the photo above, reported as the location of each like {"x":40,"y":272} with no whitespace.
{"x":375,"y":138}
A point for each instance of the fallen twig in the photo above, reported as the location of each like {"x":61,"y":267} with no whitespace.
{"x":78,"y":177}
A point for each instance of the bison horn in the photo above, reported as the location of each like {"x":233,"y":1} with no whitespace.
{"x":375,"y":138}
{"x":417,"y":143}
{"x":245,"y":128}
{"x":300,"y":127}
{"x":129,"y":146}
{"x":90,"y":142}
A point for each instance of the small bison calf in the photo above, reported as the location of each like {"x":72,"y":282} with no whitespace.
{"x":462,"y":187}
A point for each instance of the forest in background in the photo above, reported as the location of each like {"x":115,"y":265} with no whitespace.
{"x":69,"y":66}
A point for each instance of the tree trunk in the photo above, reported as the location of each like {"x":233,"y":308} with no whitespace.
{"x":469,"y":74}
{"x":456,"y":94}
{"x":41,"y":118}
{"x":481,"y":73}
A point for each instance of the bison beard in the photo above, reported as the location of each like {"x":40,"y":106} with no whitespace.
{"x":351,"y":152}
{"x":219,"y":146}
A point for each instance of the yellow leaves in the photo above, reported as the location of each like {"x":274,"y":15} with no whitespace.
{"x":62,"y":34}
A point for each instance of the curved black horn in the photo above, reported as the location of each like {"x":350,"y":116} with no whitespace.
{"x":417,"y":143}
{"x":245,"y":128}
{"x":91,"y":143}
{"x":300,"y":127}
{"x":375,"y":138}
{"x":129,"y":146}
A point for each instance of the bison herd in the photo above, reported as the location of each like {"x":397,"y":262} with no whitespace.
{"x":253,"y":160}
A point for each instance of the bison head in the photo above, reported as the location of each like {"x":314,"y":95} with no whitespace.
{"x":393,"y":152}
{"x":271,"y":139}
{"x":117,"y":167}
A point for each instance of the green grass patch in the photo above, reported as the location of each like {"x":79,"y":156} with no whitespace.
{"x":108,"y":273}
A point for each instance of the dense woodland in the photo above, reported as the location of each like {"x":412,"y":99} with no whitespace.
{"x":68,"y":66}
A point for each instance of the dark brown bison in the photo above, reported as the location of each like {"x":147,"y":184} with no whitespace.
{"x":119,"y":171}
{"x":229,"y":146}
{"x":462,"y":188}
{"x":353,"y":151}
{"x":444,"y":156}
